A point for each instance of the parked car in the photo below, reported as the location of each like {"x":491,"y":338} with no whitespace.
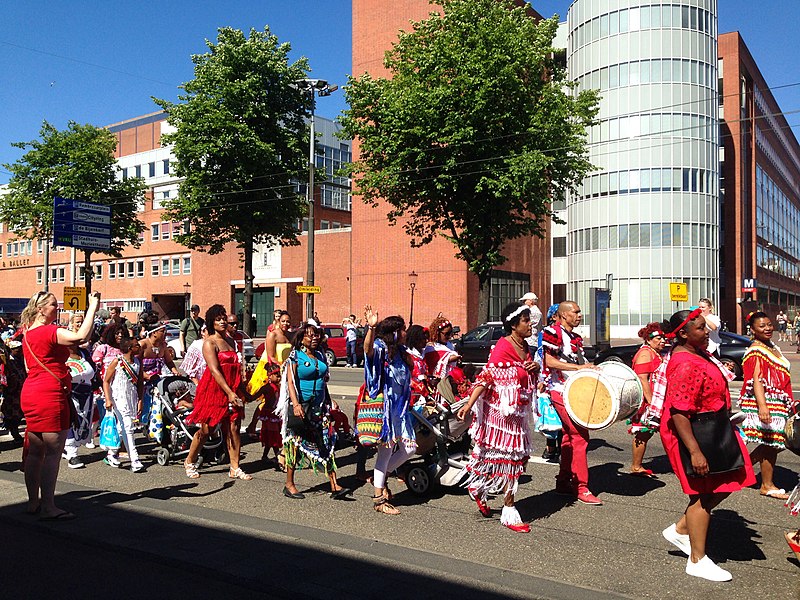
{"x":335,"y":344}
{"x":475,"y":345}
{"x":731,"y":352}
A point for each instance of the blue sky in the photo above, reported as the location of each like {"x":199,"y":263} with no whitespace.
{"x":100,"y":62}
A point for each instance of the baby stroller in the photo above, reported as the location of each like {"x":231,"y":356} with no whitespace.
{"x":442,"y":443}
{"x":177,"y":435}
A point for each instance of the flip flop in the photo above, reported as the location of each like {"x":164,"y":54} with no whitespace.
{"x":62,"y":516}
{"x":778,"y":494}
{"x":643,"y":473}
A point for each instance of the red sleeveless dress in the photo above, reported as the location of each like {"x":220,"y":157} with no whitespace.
{"x":211,"y":403}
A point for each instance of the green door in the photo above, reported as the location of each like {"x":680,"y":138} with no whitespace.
{"x":263,"y":305}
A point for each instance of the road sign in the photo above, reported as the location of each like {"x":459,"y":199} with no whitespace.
{"x":75,"y":298}
{"x":81,"y":224}
{"x":678,"y":292}
{"x":749,"y":285}
{"x":308,"y":289}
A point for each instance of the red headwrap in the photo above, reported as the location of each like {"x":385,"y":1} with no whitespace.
{"x":690,"y":317}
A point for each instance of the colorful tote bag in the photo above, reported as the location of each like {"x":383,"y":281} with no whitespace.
{"x":369,"y":418}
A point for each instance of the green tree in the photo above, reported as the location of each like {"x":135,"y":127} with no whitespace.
{"x":77,"y":163}
{"x":240,"y":144}
{"x":474,"y":133}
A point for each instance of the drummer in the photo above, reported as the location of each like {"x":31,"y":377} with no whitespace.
{"x":563,"y":352}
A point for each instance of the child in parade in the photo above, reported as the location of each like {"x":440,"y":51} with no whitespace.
{"x":123,"y":390}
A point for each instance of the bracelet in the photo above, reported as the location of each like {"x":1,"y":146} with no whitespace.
{"x":372,"y":326}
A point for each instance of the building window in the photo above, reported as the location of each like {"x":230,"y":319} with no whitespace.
{"x":165,"y":266}
{"x":98,"y":271}
{"x":140,"y":268}
{"x":39,"y":276}
{"x":155,"y":231}
{"x":81,"y":273}
{"x":559,"y":247}
{"x":505,"y":287}
{"x":165,"y":166}
{"x":151,"y":169}
{"x":61,"y":274}
{"x":130,"y":269}
{"x":112,"y":270}
{"x":39,"y":247}
{"x":165,"y":230}
{"x":187,"y":265}
{"x":154,"y":267}
{"x":138,"y":170}
{"x":176,"y":265}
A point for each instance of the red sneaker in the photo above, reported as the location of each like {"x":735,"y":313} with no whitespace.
{"x":587,"y":497}
{"x":483,"y":507}
{"x":518,"y":527}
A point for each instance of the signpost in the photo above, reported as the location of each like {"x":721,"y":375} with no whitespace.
{"x":308,"y":289}
{"x":75,"y":298}
{"x":84,"y":225}
{"x":678,"y":292}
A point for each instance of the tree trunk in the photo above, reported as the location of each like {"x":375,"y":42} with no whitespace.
{"x":87,"y":273}
{"x":483,"y":301}
{"x":247,"y":297}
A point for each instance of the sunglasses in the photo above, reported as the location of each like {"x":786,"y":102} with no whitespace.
{"x":233,"y":322}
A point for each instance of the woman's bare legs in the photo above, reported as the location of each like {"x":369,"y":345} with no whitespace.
{"x":41,"y":470}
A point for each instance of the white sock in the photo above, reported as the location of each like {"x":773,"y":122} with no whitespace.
{"x":510,"y":516}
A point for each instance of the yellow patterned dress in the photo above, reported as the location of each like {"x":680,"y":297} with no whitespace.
{"x":774,"y":375}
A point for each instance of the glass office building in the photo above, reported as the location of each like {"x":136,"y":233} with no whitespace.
{"x":649,"y":215}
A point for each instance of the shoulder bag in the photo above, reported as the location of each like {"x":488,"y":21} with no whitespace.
{"x":716,"y":438}
{"x":73,"y":413}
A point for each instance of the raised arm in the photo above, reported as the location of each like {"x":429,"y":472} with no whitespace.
{"x":64,"y":337}
{"x":371,"y":318}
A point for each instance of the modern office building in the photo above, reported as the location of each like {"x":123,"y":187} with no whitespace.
{"x":650,"y":214}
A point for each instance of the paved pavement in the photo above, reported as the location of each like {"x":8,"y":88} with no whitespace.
{"x":216,"y":535}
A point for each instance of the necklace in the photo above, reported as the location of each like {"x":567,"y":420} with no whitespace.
{"x":518,"y":345}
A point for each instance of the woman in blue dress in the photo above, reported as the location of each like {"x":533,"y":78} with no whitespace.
{"x":309,"y":435}
{"x":388,"y":370}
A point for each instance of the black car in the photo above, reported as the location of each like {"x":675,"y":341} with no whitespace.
{"x":475,"y":345}
{"x":731,"y":352}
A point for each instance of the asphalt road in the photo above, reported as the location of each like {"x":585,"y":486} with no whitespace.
{"x":215,"y":534}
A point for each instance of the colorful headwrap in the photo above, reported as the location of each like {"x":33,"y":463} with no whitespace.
{"x":551,"y":312}
{"x":690,"y":317}
{"x":655,"y":334}
{"x":444,"y":325}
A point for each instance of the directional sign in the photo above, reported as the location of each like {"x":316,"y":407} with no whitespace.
{"x":678,"y":292}
{"x":308,"y":289}
{"x":81,"y":224}
{"x":75,"y":298}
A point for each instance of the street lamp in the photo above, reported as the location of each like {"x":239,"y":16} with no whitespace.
{"x":413,"y":277}
{"x":313,"y":87}
{"x":186,"y":287}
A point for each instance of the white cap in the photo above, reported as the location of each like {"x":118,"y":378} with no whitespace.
{"x":529,"y":296}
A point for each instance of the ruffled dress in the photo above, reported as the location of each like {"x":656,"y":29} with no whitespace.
{"x":695,"y":384}
{"x":501,"y":424}
{"x":774,"y":375}
{"x":392,"y":379}
{"x":211,"y":404}
{"x":649,"y":368}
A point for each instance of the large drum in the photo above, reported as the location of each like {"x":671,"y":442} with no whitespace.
{"x":595,"y":399}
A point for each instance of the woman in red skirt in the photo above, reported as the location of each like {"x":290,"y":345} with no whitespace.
{"x":218,"y":400}
{"x":45,"y":398}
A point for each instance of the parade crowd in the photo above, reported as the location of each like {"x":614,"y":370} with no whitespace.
{"x":105,"y":382}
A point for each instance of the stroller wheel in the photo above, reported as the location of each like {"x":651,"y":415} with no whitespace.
{"x":418,"y":481}
{"x":163,"y":456}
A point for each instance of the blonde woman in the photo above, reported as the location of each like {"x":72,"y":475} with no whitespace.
{"x":46,"y":397}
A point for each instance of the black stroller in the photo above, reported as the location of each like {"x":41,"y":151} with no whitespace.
{"x":177,"y":435}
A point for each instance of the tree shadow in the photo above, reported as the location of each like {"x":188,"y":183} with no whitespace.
{"x":731,"y":537}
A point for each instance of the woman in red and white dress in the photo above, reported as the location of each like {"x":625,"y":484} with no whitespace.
{"x":501,"y":427}
{"x":440,"y":355}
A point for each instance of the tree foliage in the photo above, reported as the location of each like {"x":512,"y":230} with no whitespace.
{"x":76,"y":163}
{"x":240,"y":144}
{"x":474,"y":133}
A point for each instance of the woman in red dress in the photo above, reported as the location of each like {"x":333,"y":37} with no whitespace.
{"x":217,"y":400}
{"x":645,"y":363}
{"x":45,"y":398}
{"x":696,"y":382}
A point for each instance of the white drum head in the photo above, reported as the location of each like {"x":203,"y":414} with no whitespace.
{"x":590,"y":399}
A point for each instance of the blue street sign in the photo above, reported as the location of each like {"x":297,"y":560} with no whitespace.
{"x":81,"y":224}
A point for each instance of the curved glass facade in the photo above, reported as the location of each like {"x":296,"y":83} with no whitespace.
{"x":650,"y":214}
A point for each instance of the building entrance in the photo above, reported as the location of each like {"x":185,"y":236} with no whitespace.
{"x":263,"y":305}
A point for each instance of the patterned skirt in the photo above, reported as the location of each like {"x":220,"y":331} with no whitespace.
{"x":754,"y":429}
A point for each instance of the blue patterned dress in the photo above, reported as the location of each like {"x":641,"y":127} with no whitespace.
{"x":392,"y":378}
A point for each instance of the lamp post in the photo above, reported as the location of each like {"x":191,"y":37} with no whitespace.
{"x":313,"y":87}
{"x":186,"y":287}
{"x":413,"y":277}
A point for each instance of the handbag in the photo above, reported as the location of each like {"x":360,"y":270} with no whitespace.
{"x":109,"y":433}
{"x":369,"y":419}
{"x":298,"y":423}
{"x":716,"y":438}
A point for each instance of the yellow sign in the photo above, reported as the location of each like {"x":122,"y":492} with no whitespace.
{"x":308,"y":289}
{"x":678,"y":292}
{"x":74,"y":298}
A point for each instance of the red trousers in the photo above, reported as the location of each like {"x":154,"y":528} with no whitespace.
{"x":574,"y":467}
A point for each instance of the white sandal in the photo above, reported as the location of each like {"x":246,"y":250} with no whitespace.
{"x":239,"y":474}
{"x":191,"y":470}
